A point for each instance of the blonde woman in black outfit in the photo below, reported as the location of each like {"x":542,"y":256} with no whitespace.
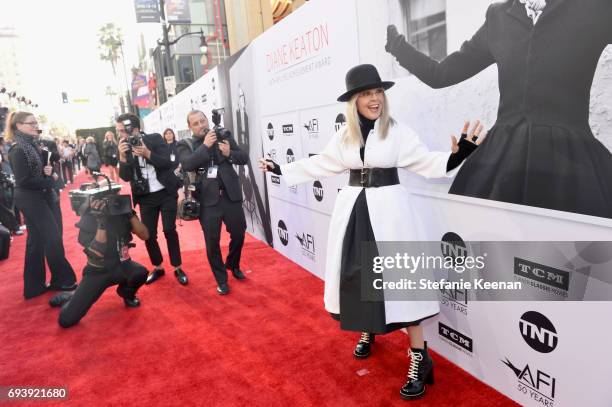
{"x":35,"y":197}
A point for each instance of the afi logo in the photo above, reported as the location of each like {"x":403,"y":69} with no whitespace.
{"x":340,"y":121}
{"x":283,"y":234}
{"x":538,"y":332}
{"x":272,"y":154}
{"x":455,"y":294}
{"x":307,"y":242}
{"x":312,"y":126}
{"x":270,"y":131}
{"x":317,"y":189}
{"x":539,"y":382}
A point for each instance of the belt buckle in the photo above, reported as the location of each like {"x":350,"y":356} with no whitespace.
{"x":363,"y":174}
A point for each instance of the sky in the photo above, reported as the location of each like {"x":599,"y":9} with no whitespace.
{"x":60,"y":54}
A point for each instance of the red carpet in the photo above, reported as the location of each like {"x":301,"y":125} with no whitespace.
{"x":268,"y":343}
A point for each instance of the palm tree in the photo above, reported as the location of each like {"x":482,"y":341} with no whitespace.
{"x":109,"y":44}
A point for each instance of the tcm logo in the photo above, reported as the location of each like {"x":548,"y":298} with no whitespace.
{"x":455,"y":337}
{"x":290,"y":156}
{"x":308,"y":245}
{"x":288,"y":129}
{"x":539,"y":385}
{"x":538,"y":332}
{"x":317,"y":190}
{"x":275,"y":179}
{"x":550,"y":276}
{"x":340,"y":121}
{"x":270,"y":131}
{"x":283,"y":234}
{"x":312,"y":127}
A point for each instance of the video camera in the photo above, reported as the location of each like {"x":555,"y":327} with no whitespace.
{"x":115,"y":204}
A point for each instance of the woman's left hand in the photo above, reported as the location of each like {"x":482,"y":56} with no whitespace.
{"x":471,"y":136}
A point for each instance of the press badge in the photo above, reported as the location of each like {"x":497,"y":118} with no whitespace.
{"x":172,"y":157}
{"x":212,"y":171}
{"x":124,"y":251}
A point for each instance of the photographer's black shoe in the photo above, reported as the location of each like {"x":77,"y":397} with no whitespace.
{"x":155,"y":274}
{"x":181,"y":276}
{"x":364,"y":346}
{"x":59,"y":299}
{"x":238,"y":274}
{"x":55,"y":287}
{"x":223,"y":289}
{"x":131,"y":302}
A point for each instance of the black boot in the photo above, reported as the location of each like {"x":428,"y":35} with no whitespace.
{"x":363,"y":348}
{"x":419,"y":374}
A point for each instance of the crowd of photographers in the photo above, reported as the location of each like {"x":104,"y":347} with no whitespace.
{"x":190,"y":179}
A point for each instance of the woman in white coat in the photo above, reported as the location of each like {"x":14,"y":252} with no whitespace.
{"x":374,"y":207}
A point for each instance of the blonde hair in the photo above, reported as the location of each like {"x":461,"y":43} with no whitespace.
{"x":11,"y":123}
{"x":112,"y":135}
{"x":353,"y":135}
{"x":89,"y":139}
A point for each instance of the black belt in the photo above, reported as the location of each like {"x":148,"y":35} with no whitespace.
{"x":373,"y":177}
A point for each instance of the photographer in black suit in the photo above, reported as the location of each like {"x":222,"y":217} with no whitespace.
{"x":106,"y":228}
{"x":144,"y":161}
{"x":213,"y":154}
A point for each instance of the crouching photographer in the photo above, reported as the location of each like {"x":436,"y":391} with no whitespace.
{"x":106,"y":226}
{"x":144,"y":161}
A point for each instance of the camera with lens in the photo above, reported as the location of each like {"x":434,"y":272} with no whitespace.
{"x":139,"y":184}
{"x":188,"y":209}
{"x":217,"y":114}
{"x":115,"y":204}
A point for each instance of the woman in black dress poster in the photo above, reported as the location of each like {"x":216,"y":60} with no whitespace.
{"x":541,"y":151}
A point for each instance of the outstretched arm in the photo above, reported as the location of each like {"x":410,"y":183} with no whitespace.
{"x":473,"y":57}
{"x":325,"y":164}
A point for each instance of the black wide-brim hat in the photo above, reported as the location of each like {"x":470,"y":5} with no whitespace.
{"x":360,"y":78}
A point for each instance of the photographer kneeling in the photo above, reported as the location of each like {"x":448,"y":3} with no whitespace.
{"x":106,"y":228}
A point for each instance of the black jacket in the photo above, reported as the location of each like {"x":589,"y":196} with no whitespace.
{"x":541,"y":151}
{"x":202,"y":157}
{"x":24,"y":178}
{"x":160,"y":159}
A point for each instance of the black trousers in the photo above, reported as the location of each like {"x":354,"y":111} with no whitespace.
{"x":128,"y":275}
{"x":151,"y":205}
{"x":211,"y":218}
{"x":43,"y":219}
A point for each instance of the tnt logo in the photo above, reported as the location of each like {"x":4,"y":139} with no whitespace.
{"x":317,"y":189}
{"x":283,"y":234}
{"x":538,"y":332}
{"x":340,"y":121}
{"x":270,"y":131}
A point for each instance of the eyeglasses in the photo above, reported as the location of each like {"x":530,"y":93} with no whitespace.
{"x":33,"y":124}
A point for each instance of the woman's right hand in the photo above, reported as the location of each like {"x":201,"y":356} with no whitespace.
{"x":48,"y":170}
{"x":268,"y":165}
